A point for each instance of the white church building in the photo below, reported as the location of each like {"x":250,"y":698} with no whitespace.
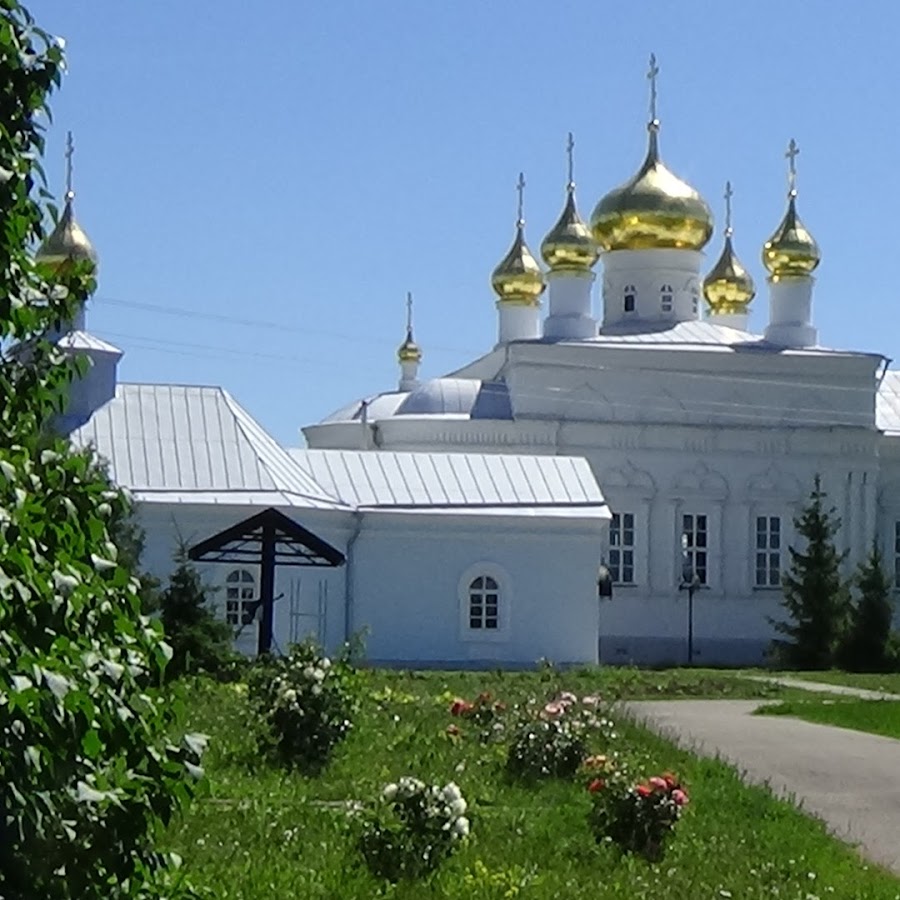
{"x":471,"y":510}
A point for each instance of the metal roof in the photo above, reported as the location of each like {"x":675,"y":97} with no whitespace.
{"x":190,"y":443}
{"x":84,"y":340}
{"x":386,"y":479}
{"x":887,"y":403}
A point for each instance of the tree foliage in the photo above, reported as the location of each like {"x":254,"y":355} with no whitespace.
{"x":88,"y":773}
{"x":868,"y":638}
{"x":816,"y":597}
{"x":200,"y":642}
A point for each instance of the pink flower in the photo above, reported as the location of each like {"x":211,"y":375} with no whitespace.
{"x":553,"y":710}
{"x":658,"y":783}
{"x":567,"y":697}
{"x":590,"y":700}
{"x":679,"y":797}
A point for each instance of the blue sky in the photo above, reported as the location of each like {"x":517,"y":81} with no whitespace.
{"x":264,"y":186}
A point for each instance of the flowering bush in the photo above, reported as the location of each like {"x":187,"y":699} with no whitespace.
{"x":484,"y":712}
{"x":636,"y":817}
{"x":306,"y":702}
{"x":412,"y":829}
{"x":551,"y":742}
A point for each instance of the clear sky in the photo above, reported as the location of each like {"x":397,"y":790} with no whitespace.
{"x":265,"y":181}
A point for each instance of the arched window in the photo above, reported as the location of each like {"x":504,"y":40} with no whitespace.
{"x":666,"y":297}
{"x":484,"y":603}
{"x":628,"y":299}
{"x":240,"y":593}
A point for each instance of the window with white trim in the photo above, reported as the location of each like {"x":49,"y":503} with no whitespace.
{"x":240,"y":594}
{"x":621,"y":548}
{"x":695,"y":546}
{"x":484,"y":603}
{"x":666,"y":298}
{"x":897,"y":554}
{"x":628,"y":299}
{"x":768,"y":551}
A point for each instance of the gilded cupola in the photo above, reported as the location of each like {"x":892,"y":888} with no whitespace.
{"x":409,"y":351}
{"x":68,"y":240}
{"x":791,"y":251}
{"x":569,"y":245}
{"x":655,"y":209}
{"x":728,"y":287}
{"x":518,"y":278}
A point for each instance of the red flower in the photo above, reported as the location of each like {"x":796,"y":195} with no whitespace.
{"x":460,"y":707}
{"x":658,"y":783}
{"x":643,"y":790}
{"x":670,"y":780}
{"x":596,"y":785}
{"x":679,"y":797}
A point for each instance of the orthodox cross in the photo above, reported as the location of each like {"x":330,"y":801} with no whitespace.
{"x":792,"y":152}
{"x":651,"y":74}
{"x":570,"y":151}
{"x":729,"y":193}
{"x":70,"y":152}
{"x":520,"y":187}
{"x":409,"y":314}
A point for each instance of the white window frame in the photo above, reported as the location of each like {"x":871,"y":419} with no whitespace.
{"x":504,"y":603}
{"x":667,"y":298}
{"x":620,"y":549}
{"x":693,"y":547}
{"x":240,"y":592}
{"x":756,"y":551}
{"x":629,"y":294}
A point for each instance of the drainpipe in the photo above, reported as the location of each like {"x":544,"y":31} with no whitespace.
{"x":348,"y":579}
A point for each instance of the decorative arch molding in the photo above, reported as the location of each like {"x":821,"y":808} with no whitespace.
{"x":774,"y":484}
{"x":700,"y":480}
{"x":637,"y":482}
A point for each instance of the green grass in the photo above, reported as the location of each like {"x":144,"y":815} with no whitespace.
{"x":889,"y":684}
{"x":263,"y":833}
{"x":874,"y":716}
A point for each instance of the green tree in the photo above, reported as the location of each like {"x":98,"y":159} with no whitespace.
{"x":200,"y":642}
{"x":866,"y":645}
{"x":816,"y":597}
{"x":88,"y":771}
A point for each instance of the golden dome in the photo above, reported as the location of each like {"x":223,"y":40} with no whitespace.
{"x":66,"y":241}
{"x":792,"y":250}
{"x":653,"y":210}
{"x":728,"y":288}
{"x":518,"y":279}
{"x":409,"y":350}
{"x":569,"y":246}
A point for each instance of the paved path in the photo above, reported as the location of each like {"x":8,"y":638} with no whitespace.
{"x":823,"y":688}
{"x":849,"y":779}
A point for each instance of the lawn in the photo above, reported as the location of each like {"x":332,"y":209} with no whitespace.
{"x":264,"y":833}
{"x":875,"y":716}
{"x":889,"y":683}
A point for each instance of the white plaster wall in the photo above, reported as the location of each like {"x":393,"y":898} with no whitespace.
{"x":407,"y":576}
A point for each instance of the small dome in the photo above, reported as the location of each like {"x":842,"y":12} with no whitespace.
{"x":409,"y":350}
{"x":728,"y":287}
{"x":792,"y":250}
{"x":569,"y":245}
{"x":653,"y":210}
{"x":518,"y":279}
{"x":66,"y":241}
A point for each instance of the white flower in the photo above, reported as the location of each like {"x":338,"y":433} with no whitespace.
{"x":318,"y":674}
{"x":290,"y":695}
{"x":458,"y":807}
{"x":451,"y":792}
{"x":326,"y":663}
{"x":460,"y":827}
{"x":389,"y":792}
{"x":316,"y":690}
{"x":309,"y":673}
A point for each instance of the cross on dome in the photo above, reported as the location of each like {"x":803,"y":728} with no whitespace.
{"x":729,"y":193}
{"x":69,"y":154}
{"x":520,"y":188}
{"x":652,"y":72}
{"x":793,"y":151}
{"x":570,"y":153}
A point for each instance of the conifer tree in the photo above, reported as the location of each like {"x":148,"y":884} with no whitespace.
{"x":816,"y":597}
{"x":865,"y":649}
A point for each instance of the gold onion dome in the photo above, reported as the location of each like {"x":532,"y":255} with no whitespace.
{"x":792,"y":250}
{"x":653,"y":210}
{"x":409,"y":350}
{"x":728,"y":287}
{"x":67,"y":241}
{"x":519,"y":279}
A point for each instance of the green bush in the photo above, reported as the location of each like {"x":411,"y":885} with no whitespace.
{"x":91,"y":764}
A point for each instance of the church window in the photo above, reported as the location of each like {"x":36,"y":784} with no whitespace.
{"x":695,"y":547}
{"x":695,"y":305}
{"x":666,"y":297}
{"x":484,"y":603}
{"x":897,"y":554}
{"x":240,"y":595}
{"x":768,"y":551}
{"x":629,"y":298}
{"x":621,"y":548}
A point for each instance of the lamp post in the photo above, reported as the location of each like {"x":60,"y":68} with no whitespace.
{"x":690,"y":582}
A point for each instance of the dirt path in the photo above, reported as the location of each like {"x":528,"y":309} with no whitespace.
{"x":849,"y":779}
